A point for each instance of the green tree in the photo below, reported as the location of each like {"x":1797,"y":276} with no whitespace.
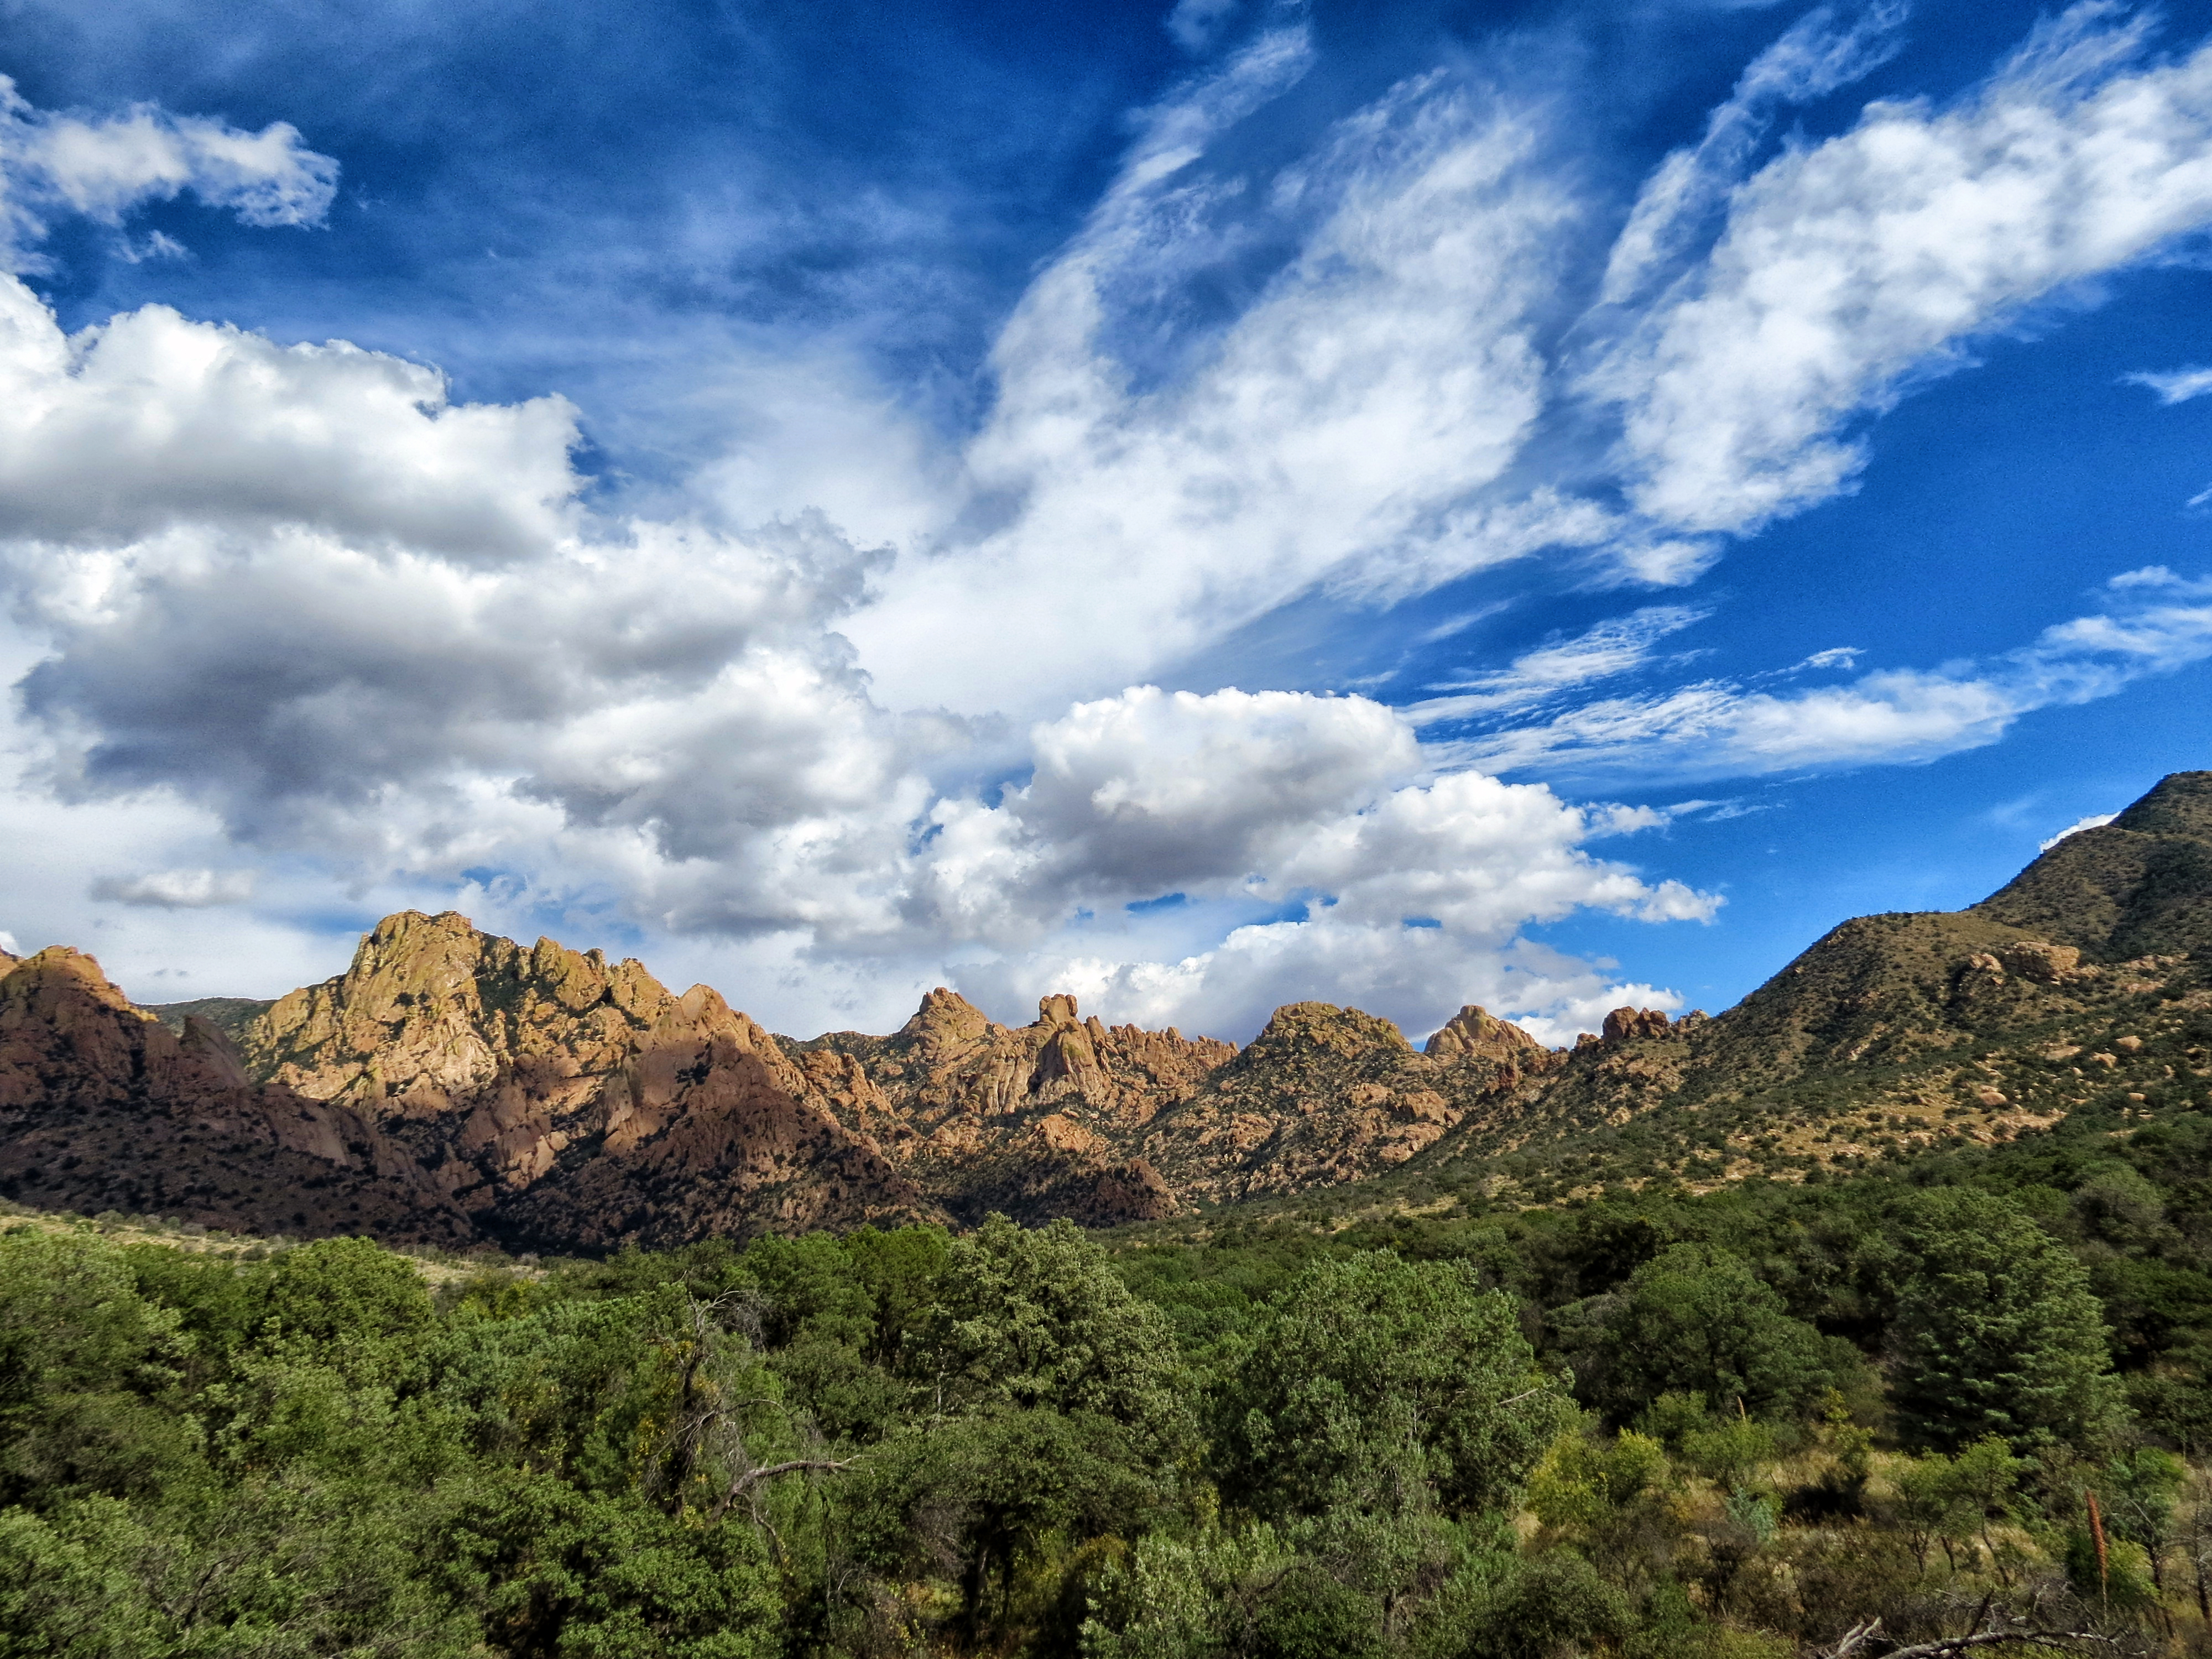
{"x":1608,"y":1498}
{"x":85,"y":1364}
{"x":555,"y":1570}
{"x":1995,"y":1331}
{"x":2140,"y":1488}
{"x":1537,"y":1606}
{"x":348,"y":1303}
{"x":1386,"y":1387}
{"x":1695,"y":1320}
{"x":1037,"y":1318}
{"x":990,"y":1497}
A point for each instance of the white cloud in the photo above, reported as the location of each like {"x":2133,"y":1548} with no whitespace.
{"x":1392,"y":407}
{"x":461,"y":675}
{"x":1410,"y":889}
{"x":2177,"y":386}
{"x":1846,"y":267}
{"x":149,"y":422}
{"x":102,"y":168}
{"x":1612,"y":647}
{"x":177,"y":890}
{"x":2155,"y":624}
{"x":7,"y":944}
{"x":1384,"y":372}
{"x":2094,"y":821}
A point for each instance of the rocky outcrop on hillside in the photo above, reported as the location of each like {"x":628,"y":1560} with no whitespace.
{"x":102,"y":1107}
{"x":1326,"y":1095}
{"x":1033,"y":1121}
{"x":564,"y":1100}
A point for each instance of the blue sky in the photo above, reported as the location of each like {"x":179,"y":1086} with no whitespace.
{"x":1544,"y":505}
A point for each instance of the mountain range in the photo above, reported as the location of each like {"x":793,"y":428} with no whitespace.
{"x":453,"y":1087}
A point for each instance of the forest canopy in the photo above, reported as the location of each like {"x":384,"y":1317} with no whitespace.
{"x":1753,"y":1423}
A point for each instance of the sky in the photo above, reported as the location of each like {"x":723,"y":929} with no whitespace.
{"x":1203,"y":505}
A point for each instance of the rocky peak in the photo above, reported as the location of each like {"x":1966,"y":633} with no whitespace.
{"x":945,"y":1021}
{"x":51,"y":980}
{"x":1326,"y":1094}
{"x":1475,"y":1033}
{"x":1635,"y":1025}
{"x":431,"y":1006}
{"x":1058,"y":1009}
{"x":1323,"y":1029}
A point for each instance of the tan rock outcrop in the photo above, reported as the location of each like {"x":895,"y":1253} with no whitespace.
{"x":1035,"y":1119}
{"x":1635,"y":1025}
{"x":2045,"y":963}
{"x":1326,"y":1094}
{"x":548,"y":1091}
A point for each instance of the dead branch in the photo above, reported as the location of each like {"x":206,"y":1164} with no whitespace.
{"x":1945,"y":1647}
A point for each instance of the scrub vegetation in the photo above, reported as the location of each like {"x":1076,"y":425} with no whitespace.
{"x":1964,"y":1395}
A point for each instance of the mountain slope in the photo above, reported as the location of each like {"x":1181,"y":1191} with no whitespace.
{"x":564,"y":1100}
{"x":1904,"y":1032}
{"x":450,"y":1084}
{"x":103,"y":1107}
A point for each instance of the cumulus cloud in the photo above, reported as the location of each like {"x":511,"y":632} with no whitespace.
{"x":1284,"y":791}
{"x":177,"y":890}
{"x":148,"y":423}
{"x":464,"y":672}
{"x":101,"y":167}
{"x":1375,"y":878}
{"x":2094,"y":821}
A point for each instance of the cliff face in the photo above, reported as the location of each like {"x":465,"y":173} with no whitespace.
{"x":102,"y":1107}
{"x":560,"y":1099}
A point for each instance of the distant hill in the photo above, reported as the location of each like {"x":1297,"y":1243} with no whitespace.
{"x":451,"y":1085}
{"x":2086,"y":976}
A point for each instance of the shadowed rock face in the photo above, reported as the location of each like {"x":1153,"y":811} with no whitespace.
{"x":564,"y":1100}
{"x":103,"y":1107}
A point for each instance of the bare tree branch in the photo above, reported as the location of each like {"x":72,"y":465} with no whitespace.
{"x":1945,"y":1647}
